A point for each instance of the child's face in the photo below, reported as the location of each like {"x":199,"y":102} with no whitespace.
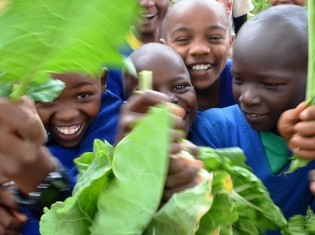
{"x":70,"y":115}
{"x":295,"y":2}
{"x":153,"y":14}
{"x":200,"y":34}
{"x":174,"y":81}
{"x":170,"y":78}
{"x":266,"y":80}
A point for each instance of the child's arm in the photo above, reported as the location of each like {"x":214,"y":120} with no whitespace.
{"x":183,"y":173}
{"x":297,"y":126}
{"x":11,"y":220}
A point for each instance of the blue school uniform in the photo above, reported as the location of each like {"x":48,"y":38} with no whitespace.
{"x":114,"y":78}
{"x":104,"y":128}
{"x":221,"y":128}
{"x":226,"y":94}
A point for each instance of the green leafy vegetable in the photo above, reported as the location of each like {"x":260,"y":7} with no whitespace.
{"x":119,"y":191}
{"x":46,"y":36}
{"x":118,"y":188}
{"x":182,"y":213}
{"x":140,"y":167}
{"x":77,"y":213}
{"x":302,"y":225}
{"x":242,"y":204}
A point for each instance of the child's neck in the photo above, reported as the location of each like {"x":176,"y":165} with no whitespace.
{"x":209,"y":97}
{"x":149,"y":37}
{"x":146,"y":37}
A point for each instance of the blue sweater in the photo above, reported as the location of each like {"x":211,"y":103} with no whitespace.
{"x":222,"y":128}
{"x":226,"y":94}
{"x":104,"y":128}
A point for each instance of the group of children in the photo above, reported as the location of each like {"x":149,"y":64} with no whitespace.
{"x":191,"y":70}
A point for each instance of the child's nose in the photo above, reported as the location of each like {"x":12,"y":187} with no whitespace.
{"x":67,"y":113}
{"x":147,"y":3}
{"x":249,"y":97}
{"x":199,"y":48}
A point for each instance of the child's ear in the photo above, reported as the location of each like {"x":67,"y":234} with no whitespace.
{"x":162,"y":40}
{"x":104,"y":79}
{"x":232,"y":39}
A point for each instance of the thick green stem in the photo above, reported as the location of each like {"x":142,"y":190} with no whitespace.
{"x":145,"y":80}
{"x":310,"y":91}
{"x":19,"y":91}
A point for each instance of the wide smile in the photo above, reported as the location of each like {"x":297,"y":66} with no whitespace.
{"x":200,"y":68}
{"x":68,"y":132}
{"x":254,"y":117}
{"x":149,"y":16}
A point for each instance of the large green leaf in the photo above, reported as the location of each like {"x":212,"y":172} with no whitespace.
{"x":182,"y":213}
{"x":75,"y":215}
{"x":253,"y":202}
{"x":44,"y":36}
{"x":242,"y":204}
{"x":140,"y":166}
{"x":222,"y":214}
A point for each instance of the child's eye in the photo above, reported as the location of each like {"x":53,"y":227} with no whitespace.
{"x":181,"y":39}
{"x":181,"y":88}
{"x":271,"y":86}
{"x":83,"y":95}
{"x":238,"y":80}
{"x":215,"y":38}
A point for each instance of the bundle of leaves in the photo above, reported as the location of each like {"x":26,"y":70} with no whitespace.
{"x":41,"y":37}
{"x":119,"y":191}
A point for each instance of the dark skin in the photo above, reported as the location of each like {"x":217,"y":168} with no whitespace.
{"x":182,"y":173}
{"x":171,"y":84}
{"x":170,"y":77}
{"x":26,"y":170}
{"x":69,"y":116}
{"x":152,"y":17}
{"x":265,"y":86}
{"x":199,"y":32}
{"x":297,"y":126}
{"x":15,"y":133}
{"x":275,"y":86}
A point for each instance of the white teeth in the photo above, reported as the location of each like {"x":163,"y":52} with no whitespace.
{"x":199,"y":67}
{"x":68,"y":130}
{"x":150,"y":15}
{"x":254,"y":115}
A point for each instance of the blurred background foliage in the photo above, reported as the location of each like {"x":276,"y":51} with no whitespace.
{"x":263,"y":4}
{"x":260,"y":5}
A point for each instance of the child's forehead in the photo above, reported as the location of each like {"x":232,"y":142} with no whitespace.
{"x":185,"y":8}
{"x":159,"y":60}
{"x":73,"y":78}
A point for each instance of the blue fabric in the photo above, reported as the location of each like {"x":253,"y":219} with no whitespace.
{"x":104,"y":128}
{"x":115,"y":83}
{"x":114,"y":78}
{"x":227,"y":127}
{"x":226,"y":94}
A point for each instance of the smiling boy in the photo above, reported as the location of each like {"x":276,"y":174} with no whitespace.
{"x":266,"y":83}
{"x":82,"y":113}
{"x":170,"y":77}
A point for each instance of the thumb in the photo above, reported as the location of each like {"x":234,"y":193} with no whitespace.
{"x":28,"y":104}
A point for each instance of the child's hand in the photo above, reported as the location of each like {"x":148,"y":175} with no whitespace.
{"x":297,"y":126}
{"x":21,"y":134}
{"x":22,"y":137}
{"x":137,"y":106}
{"x":183,"y":171}
{"x":11,"y":220}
